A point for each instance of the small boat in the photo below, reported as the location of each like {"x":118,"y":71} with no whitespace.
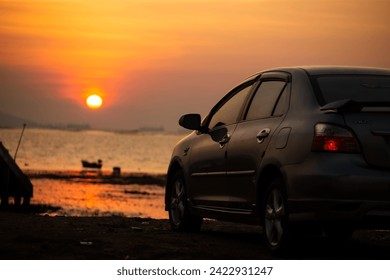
{"x":88,"y":164}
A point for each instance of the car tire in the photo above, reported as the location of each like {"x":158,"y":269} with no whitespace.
{"x":180,"y":217}
{"x":275,"y":217}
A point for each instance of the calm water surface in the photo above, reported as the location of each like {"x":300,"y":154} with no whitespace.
{"x":43,"y":149}
{"x":52,"y":150}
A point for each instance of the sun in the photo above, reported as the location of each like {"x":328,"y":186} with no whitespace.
{"x":94,"y":101}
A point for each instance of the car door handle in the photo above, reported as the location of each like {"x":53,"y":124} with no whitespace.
{"x":263,"y":134}
{"x":224,"y":140}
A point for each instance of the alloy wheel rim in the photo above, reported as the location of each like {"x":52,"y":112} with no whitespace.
{"x":274,"y":217}
{"x":177,"y":202}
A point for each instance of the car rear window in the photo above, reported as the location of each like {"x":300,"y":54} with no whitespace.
{"x":360,"y":88}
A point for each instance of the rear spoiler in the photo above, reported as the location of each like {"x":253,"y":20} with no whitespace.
{"x":349,"y":105}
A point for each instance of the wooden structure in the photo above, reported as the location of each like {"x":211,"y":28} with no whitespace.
{"x":13,"y":182}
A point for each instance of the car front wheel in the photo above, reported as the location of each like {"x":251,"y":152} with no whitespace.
{"x":180,"y":217}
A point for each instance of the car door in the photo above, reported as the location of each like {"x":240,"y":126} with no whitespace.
{"x":249,"y":143}
{"x":207,"y":180}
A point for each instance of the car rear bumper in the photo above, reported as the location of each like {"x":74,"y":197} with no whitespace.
{"x":338,"y":187}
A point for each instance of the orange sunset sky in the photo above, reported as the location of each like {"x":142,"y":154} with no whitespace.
{"x":153,"y":60}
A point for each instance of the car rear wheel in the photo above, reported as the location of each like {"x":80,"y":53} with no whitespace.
{"x":275,"y":218}
{"x":180,"y":217}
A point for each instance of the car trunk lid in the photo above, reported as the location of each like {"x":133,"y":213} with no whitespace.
{"x":370,"y":122}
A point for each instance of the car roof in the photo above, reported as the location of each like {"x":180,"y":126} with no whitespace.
{"x":329,"y":70}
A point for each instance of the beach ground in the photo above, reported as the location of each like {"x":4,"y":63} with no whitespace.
{"x":33,"y":234}
{"x":27,"y":235}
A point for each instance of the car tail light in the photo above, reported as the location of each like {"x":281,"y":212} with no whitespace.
{"x":334,"y":138}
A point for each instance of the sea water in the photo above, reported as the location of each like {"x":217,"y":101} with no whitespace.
{"x":47,"y":149}
{"x":63,"y":150}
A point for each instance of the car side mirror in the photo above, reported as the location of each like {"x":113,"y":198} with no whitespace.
{"x":190,"y":121}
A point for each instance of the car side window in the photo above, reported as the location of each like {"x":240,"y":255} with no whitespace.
{"x":229,"y":111}
{"x":264,"y":101}
{"x":282,"y":105}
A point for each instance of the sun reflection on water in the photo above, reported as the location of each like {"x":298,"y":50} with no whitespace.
{"x":88,"y":199}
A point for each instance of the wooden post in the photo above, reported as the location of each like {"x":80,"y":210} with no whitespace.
{"x":20,"y":140}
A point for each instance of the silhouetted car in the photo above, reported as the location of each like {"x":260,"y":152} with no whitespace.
{"x":288,"y":145}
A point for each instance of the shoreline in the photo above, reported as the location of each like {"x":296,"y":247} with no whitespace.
{"x":97,"y":193}
{"x":99,"y":177}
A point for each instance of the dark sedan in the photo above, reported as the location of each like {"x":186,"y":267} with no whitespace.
{"x":285,"y":148}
